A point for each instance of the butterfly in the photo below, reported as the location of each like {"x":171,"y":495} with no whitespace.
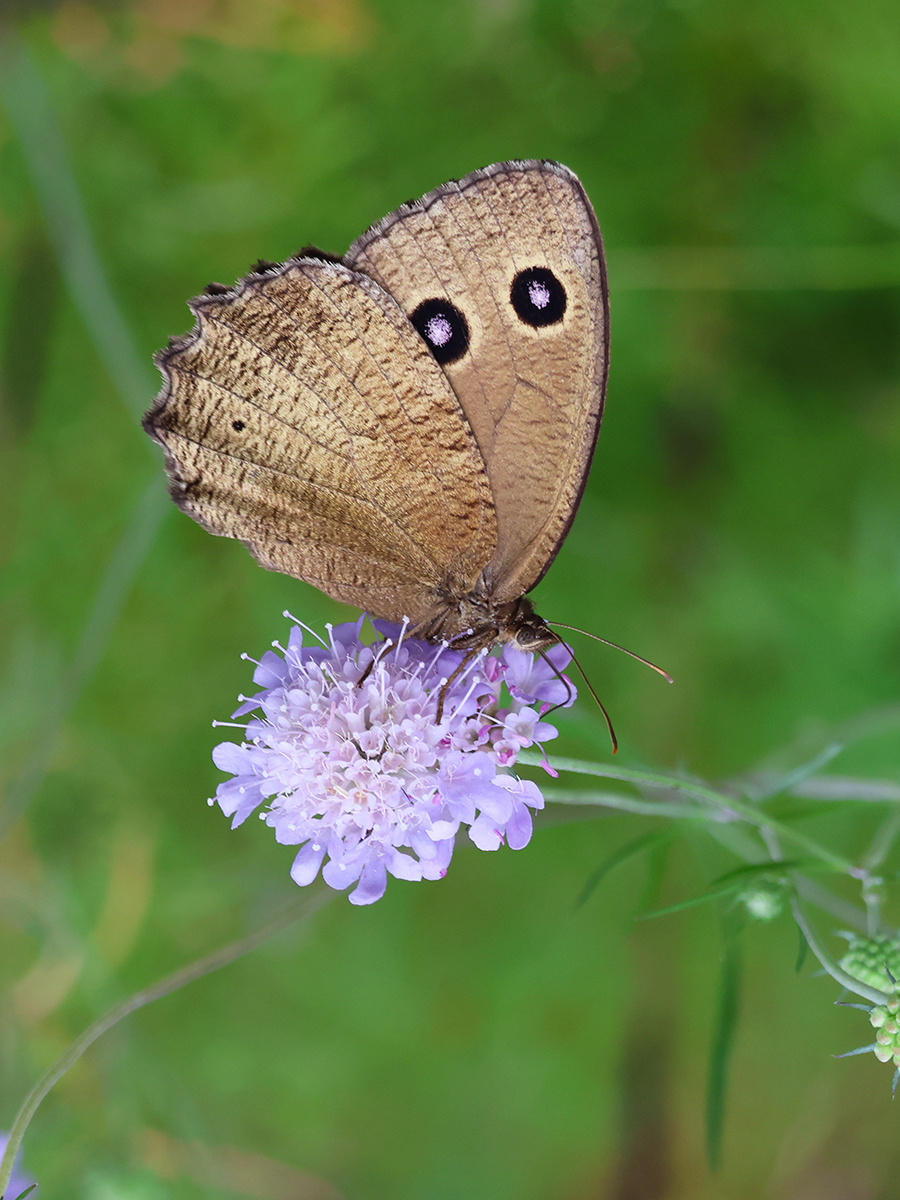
{"x":409,"y":427}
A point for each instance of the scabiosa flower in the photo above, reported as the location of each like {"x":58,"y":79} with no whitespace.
{"x":356,"y":770}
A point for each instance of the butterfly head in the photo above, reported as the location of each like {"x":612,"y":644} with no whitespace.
{"x":476,"y":622}
{"x":525,"y":629}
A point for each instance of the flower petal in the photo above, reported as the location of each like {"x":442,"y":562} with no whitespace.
{"x":436,"y":868}
{"x":372,"y":883}
{"x":495,"y":802}
{"x":403,"y":866}
{"x":519,"y":828}
{"x":340,"y":875}
{"x":307,"y":862}
{"x":485,"y":834}
{"x":236,"y":760}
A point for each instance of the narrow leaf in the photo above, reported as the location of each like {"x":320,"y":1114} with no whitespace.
{"x":621,"y":855}
{"x":801,"y":952}
{"x":763,"y":868}
{"x":691,"y":903}
{"x":720,"y":1054}
{"x":859,"y":1050}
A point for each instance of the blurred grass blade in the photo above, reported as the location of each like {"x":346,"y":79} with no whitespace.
{"x":802,"y":949}
{"x":755,"y":268}
{"x":129,"y":554}
{"x":621,"y":855}
{"x":647,"y":808}
{"x":839,"y":909}
{"x":874,"y":722}
{"x":720,"y":1053}
{"x":883,"y":841}
{"x":295,"y":911}
{"x":27,"y":102}
{"x":692,"y":902}
{"x":844,"y":787}
{"x":795,"y":777}
{"x":657,"y":861}
{"x":114,"y":587}
{"x":749,"y":870}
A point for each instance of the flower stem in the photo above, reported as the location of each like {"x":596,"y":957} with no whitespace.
{"x":741,"y":808}
{"x":171,"y":983}
{"x":837,"y":973}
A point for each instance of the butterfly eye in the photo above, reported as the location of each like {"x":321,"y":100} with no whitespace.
{"x":538,"y":297}
{"x":443,"y":327}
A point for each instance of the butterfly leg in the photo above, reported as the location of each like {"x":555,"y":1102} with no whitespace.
{"x":368,"y":671}
{"x":453,"y":678}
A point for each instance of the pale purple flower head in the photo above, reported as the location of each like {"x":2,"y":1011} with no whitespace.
{"x":19,"y":1180}
{"x":356,"y":770}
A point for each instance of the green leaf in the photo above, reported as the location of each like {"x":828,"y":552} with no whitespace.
{"x":656,"y":869}
{"x":764,"y":868}
{"x":619,"y":856}
{"x":796,"y":776}
{"x":692,"y":902}
{"x":801,"y":952}
{"x":720,"y":1053}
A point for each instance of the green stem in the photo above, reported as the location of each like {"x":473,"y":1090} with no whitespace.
{"x":837,"y":973}
{"x":646,"y":808}
{"x":741,"y":808}
{"x":204,"y":966}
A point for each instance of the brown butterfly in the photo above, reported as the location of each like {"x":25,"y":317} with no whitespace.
{"x":409,"y":427}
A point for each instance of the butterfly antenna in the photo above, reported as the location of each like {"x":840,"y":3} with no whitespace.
{"x":615,"y":646}
{"x":562,"y":678}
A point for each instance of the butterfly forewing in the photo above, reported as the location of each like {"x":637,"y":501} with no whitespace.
{"x":516,"y":250}
{"x":305,"y":416}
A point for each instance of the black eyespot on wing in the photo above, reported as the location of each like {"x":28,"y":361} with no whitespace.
{"x":538,"y":297}
{"x":237,"y":426}
{"x":444,"y":328}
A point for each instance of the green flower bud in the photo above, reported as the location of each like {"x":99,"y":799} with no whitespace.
{"x":873,"y":961}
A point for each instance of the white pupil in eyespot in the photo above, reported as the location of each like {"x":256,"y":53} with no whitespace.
{"x":439,"y":331}
{"x":539,"y":293}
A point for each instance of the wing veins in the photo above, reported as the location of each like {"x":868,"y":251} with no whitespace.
{"x":322,"y":487}
{"x":261,"y":408}
{"x":438,"y":476}
{"x":252,"y":342}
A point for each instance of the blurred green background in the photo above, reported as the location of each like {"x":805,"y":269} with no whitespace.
{"x":481,"y":1037}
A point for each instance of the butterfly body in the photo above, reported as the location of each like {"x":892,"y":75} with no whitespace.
{"x":474,"y":621}
{"x":408,"y":428}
